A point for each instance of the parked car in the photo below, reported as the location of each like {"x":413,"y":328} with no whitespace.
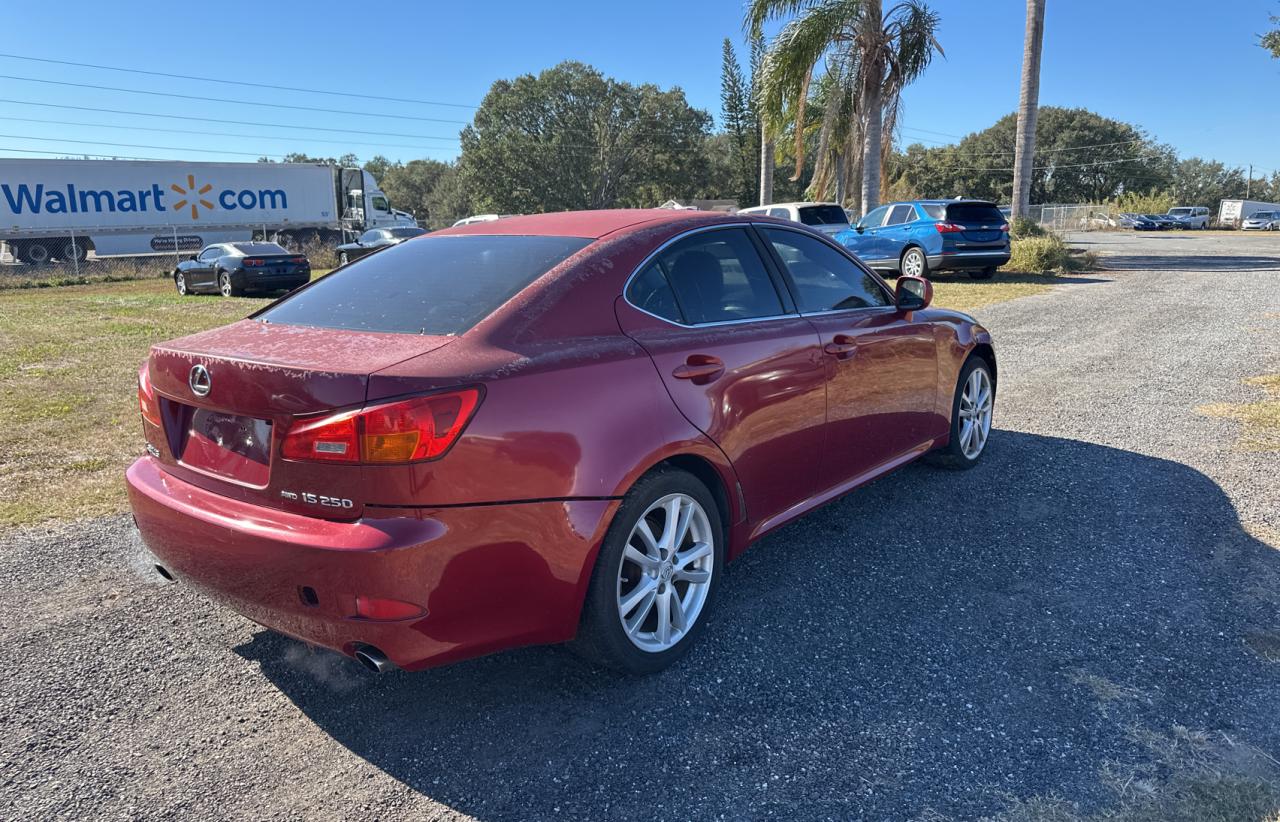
{"x":374,"y":240}
{"x":411,"y":461}
{"x":232,"y":269}
{"x":1137,"y":222}
{"x":1190,"y":216}
{"x":924,"y":236}
{"x":1163,"y":221}
{"x":1262,"y":221}
{"x":1098,"y":220}
{"x":828,"y":218}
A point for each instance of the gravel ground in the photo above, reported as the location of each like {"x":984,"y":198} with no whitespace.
{"x":930,"y":647}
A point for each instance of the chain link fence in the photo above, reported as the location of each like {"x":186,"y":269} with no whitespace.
{"x":1075,"y":216}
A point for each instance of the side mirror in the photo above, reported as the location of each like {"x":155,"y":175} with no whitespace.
{"x":192,"y":258}
{"x":859,"y":228}
{"x":913,"y":293}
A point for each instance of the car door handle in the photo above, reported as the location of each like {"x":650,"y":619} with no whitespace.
{"x":842,"y":346}
{"x":699,"y":368}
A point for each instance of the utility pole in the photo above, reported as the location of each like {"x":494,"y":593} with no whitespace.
{"x":1248,"y":187}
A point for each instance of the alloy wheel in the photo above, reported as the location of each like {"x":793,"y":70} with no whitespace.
{"x":975,"y":413}
{"x":664,"y":576}
{"x":180,"y":281}
{"x":224,"y":284}
{"x":913,"y":264}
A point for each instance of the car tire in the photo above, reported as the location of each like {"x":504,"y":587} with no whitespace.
{"x":180,"y":283}
{"x":959,"y":452}
{"x":982,"y":273}
{"x":628,"y":602}
{"x":227,"y":288}
{"x":914,"y":263}
{"x":342,"y":258}
{"x":35,"y":252}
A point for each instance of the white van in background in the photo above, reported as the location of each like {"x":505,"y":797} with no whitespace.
{"x":828,"y":218}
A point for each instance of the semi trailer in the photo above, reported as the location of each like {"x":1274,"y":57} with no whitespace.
{"x":65,"y":209}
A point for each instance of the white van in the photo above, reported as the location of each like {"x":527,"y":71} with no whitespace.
{"x":1191,"y":216}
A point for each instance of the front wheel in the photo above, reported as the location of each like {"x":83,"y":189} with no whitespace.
{"x":982,"y":273}
{"x":914,"y":263}
{"x":656,"y":575}
{"x":971,"y":413}
{"x":180,"y":283}
{"x":343,"y":259}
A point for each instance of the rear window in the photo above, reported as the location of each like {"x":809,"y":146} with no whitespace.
{"x":400,"y":233}
{"x":259,"y":248}
{"x":823,"y":215}
{"x":1180,"y":212}
{"x":437,"y":285}
{"x":974,"y":213}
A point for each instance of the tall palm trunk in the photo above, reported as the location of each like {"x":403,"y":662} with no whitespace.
{"x":766,"y":170}
{"x":874,"y":112}
{"x":1028,"y":109}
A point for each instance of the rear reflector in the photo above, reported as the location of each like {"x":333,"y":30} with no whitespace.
{"x":386,"y":610}
{"x":147,"y":402}
{"x":422,"y":428}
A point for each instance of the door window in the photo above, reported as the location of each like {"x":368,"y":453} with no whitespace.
{"x":874,"y":219}
{"x":901,"y":213}
{"x":713,"y":276}
{"x":824,"y":279}
{"x":380,"y":203}
{"x":210,"y":254}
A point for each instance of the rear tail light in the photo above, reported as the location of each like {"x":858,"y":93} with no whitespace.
{"x":414,"y":430}
{"x":948,"y":228}
{"x":147,"y":402}
{"x":1004,"y":226}
{"x":298,"y":260}
{"x":249,"y":263}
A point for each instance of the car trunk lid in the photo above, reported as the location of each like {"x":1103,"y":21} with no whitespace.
{"x":981,"y":225}
{"x":228,"y":395}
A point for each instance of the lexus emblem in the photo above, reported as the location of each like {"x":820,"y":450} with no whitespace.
{"x":199,"y":380}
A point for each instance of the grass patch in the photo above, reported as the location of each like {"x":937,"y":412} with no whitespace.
{"x":68,"y":365}
{"x":970,"y":295}
{"x":1260,"y":420}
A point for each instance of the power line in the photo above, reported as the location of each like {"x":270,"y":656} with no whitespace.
{"x":226,"y":122}
{"x":227,"y":100}
{"x":237,"y":82}
{"x":221,"y":133}
{"x":135,"y":145}
{"x":63,"y":154}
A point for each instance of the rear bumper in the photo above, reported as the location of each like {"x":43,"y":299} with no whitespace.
{"x":968,"y":259}
{"x":490,"y":577}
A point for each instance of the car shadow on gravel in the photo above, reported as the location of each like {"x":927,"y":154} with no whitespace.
{"x":931,"y":645}
{"x":1190,"y":262}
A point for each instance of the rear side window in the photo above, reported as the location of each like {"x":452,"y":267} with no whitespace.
{"x":713,"y":276}
{"x":437,"y":285}
{"x":823,"y":215}
{"x":934,"y":211}
{"x":651,"y":292}
{"x":825,"y":279}
{"x":974,"y":213}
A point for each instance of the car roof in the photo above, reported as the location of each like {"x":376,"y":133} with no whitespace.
{"x":587,"y":224}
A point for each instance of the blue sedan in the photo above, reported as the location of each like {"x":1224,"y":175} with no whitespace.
{"x":922,"y":236}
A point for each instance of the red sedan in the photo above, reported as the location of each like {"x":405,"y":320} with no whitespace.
{"x":547,"y":428}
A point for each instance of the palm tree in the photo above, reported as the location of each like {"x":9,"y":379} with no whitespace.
{"x":867,"y":58}
{"x":1028,"y":109}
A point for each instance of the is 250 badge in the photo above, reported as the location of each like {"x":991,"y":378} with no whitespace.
{"x":317,"y":499}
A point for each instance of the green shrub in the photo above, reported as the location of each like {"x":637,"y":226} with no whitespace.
{"x":1026,"y":227}
{"x":1046,"y":254}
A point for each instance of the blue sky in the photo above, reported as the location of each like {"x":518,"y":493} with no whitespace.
{"x":1185,"y":70}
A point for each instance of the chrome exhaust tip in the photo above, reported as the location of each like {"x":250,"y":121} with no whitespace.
{"x":373,"y":659}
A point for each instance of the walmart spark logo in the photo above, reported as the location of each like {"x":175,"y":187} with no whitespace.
{"x":195,"y":196}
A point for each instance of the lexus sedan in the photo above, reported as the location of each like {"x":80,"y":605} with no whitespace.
{"x":375,"y":239}
{"x":232,"y":269}
{"x":541,"y":429}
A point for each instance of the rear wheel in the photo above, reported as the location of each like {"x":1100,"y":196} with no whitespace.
{"x":225,"y":286}
{"x":983,"y":273}
{"x":342,"y":258}
{"x":972,"y":410}
{"x":35,"y":252}
{"x":914,"y":263}
{"x":656,"y":575}
{"x":75,"y":251}
{"x":180,"y":283}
